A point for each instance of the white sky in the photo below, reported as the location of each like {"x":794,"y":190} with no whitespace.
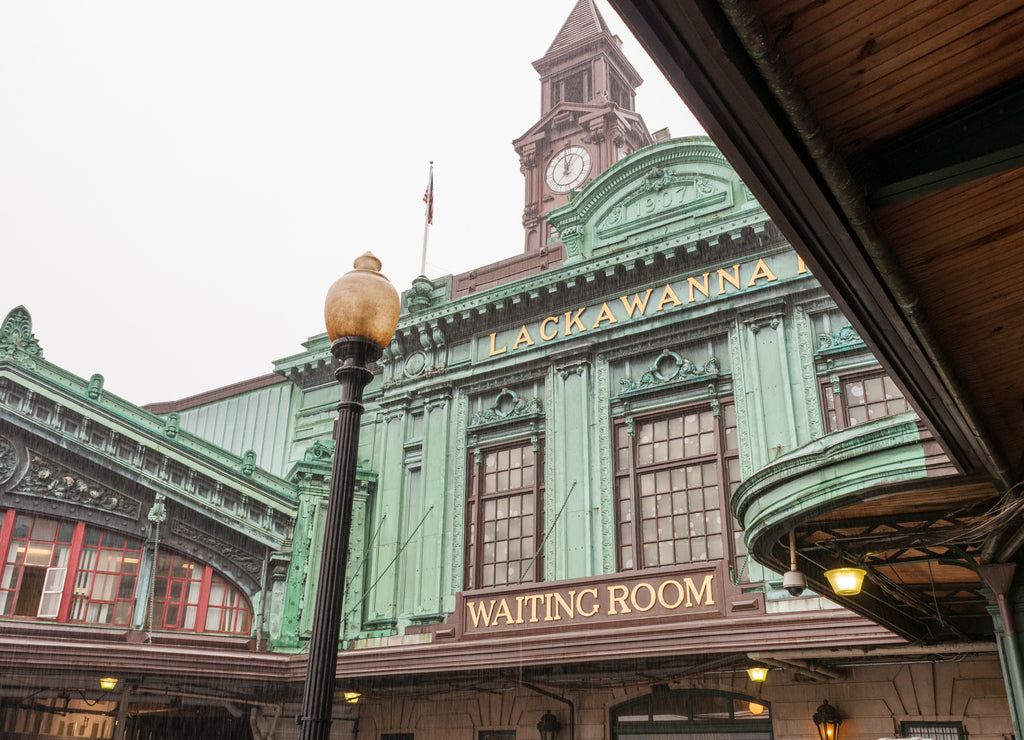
{"x":181,"y":182}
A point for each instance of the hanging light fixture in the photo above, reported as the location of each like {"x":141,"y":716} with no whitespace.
{"x":758,"y":672}
{"x":755,"y":708}
{"x":351,"y":697}
{"x":846,"y":581}
{"x":548,"y":726}
{"x":108,"y":684}
{"x":827,"y":720}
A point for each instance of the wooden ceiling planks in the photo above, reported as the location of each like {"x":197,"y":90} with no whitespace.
{"x":962,"y":249}
{"x":873,"y":70}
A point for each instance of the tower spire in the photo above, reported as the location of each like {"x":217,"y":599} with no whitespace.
{"x":583,"y":22}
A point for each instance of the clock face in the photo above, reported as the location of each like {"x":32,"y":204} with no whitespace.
{"x":567,"y":169}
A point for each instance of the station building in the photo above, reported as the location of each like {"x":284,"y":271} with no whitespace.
{"x":558,"y":455}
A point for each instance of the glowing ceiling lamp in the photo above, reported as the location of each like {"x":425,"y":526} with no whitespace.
{"x":846,"y":581}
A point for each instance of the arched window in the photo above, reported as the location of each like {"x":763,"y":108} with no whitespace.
{"x":193,"y":597}
{"x":693,"y":714}
{"x":76,"y":573}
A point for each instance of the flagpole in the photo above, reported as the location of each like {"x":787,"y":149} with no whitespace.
{"x":428,"y":217}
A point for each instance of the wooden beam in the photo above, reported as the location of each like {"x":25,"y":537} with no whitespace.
{"x":983,"y":138}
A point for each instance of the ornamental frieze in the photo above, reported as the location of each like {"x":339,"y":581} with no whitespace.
{"x":251,"y":564}
{"x":49,"y":479}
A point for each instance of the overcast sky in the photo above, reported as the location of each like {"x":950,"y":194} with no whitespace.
{"x":181,"y":182}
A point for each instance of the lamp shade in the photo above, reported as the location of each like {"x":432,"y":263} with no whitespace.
{"x":362,"y":303}
{"x":758,"y":673}
{"x":827,"y":720}
{"x":108,"y":684}
{"x":548,"y":726}
{"x":846,"y":581}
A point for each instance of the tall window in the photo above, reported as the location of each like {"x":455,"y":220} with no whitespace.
{"x":673,"y":477}
{"x":70,"y":572}
{"x":855,"y":399}
{"x":503,"y":515}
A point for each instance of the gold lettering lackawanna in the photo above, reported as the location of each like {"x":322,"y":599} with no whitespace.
{"x":631,"y":307}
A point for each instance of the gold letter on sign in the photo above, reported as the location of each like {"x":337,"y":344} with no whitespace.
{"x":668,"y":296}
{"x":724,"y":277}
{"x":494,"y":351}
{"x":618,"y":595}
{"x":605,"y":315}
{"x":761,"y":271}
{"x":705,"y":588}
{"x":476,"y":615}
{"x":636,"y":302}
{"x":524,"y":336}
{"x":692,"y":283}
{"x":543,"y":334}
{"x":579,"y":602}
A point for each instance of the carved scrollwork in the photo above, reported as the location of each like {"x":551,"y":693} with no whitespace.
{"x":249,"y":563}
{"x":17,"y":340}
{"x":8,"y":460}
{"x":572,"y":237}
{"x":50,"y":480}
{"x":843,"y":338}
{"x":669,"y":367}
{"x":248,"y":467}
{"x":507,"y":404}
{"x":319,"y":450}
{"x":95,"y":389}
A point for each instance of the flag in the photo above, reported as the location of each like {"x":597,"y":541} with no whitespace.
{"x":428,"y":196}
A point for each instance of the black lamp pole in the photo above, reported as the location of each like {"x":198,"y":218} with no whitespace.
{"x":354,"y":355}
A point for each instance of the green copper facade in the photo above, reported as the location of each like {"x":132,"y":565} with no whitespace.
{"x":679,"y":375}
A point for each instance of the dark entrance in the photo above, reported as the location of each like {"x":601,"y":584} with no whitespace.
{"x":209,"y":724}
{"x":692,"y":714}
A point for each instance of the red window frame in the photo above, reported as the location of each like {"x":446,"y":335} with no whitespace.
{"x":182,"y":598}
{"x":105,"y":578}
{"x":98,"y":571}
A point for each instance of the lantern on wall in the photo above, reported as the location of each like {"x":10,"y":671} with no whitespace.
{"x":827,"y":720}
{"x":758,"y":672}
{"x":548,"y":726}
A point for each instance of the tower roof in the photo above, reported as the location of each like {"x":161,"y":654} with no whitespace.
{"x":583,"y":22}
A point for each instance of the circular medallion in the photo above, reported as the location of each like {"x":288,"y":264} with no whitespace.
{"x":415,"y":364}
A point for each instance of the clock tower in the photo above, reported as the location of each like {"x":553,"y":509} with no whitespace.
{"x":587,"y":123}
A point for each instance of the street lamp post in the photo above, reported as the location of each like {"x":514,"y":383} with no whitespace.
{"x":361,"y":313}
